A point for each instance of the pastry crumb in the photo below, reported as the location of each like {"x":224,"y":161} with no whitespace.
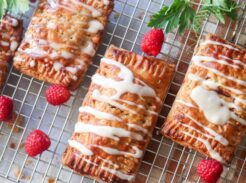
{"x":17,"y":171}
{"x":116,"y":15}
{"x":28,"y":162}
{"x":22,"y":145}
{"x":12,"y":145}
{"x":18,"y":121}
{"x":51,"y":180}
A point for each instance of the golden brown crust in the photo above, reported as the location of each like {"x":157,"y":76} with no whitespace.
{"x":228,"y":77}
{"x":156,"y":74}
{"x":62,"y":39}
{"x":10,"y":35}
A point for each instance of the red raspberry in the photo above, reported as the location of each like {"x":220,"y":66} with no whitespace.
{"x":57,"y":94}
{"x":37,"y":142}
{"x":6,"y":108}
{"x":152,"y":42}
{"x":209,"y":170}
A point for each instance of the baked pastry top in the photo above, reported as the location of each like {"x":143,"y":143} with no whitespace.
{"x":61,"y":40}
{"x":118,"y":116}
{"x":208,"y":114}
{"x":10,"y":35}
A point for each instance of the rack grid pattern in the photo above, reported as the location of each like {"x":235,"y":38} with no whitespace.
{"x":164,"y":160}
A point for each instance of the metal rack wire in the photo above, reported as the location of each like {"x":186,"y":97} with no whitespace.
{"x":164,"y":160}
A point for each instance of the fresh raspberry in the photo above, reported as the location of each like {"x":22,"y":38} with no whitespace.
{"x":152,"y":42}
{"x":209,"y":170}
{"x":57,"y":94}
{"x":37,"y":142}
{"x":6,"y":108}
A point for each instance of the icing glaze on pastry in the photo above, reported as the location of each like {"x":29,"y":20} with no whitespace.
{"x":82,"y":148}
{"x":214,"y":109}
{"x":107,"y":131}
{"x":103,"y":115}
{"x":239,"y":62}
{"x":98,"y":114}
{"x":89,"y":49}
{"x":94,"y":12}
{"x":185,"y":103}
{"x":214,"y":154}
{"x":53,"y":37}
{"x":126,"y":83}
{"x":218,"y":43}
{"x":213,"y":95}
{"x":106,"y":2}
{"x":212,"y":59}
{"x":212,"y":84}
{"x":102,"y":98}
{"x":120,"y":174}
{"x":199,"y":63}
{"x":95,"y":26}
{"x":216,"y":135}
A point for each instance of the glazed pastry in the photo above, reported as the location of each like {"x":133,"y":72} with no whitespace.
{"x":118,"y":116}
{"x":10,"y":35}
{"x":208,"y":114}
{"x":61,"y":40}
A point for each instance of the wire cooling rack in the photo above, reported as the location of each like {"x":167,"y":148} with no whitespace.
{"x":164,"y":160}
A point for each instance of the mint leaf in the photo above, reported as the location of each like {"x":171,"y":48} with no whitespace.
{"x":14,"y":6}
{"x":181,"y":15}
{"x":3,"y":7}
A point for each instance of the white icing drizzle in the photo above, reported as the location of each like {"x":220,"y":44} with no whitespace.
{"x":51,"y":25}
{"x":95,"y":26}
{"x":99,"y":114}
{"x":106,"y":2}
{"x":218,"y":43}
{"x":212,"y":84}
{"x":82,"y":148}
{"x":106,"y":131}
{"x":94,"y":12}
{"x":73,"y":70}
{"x":89,"y":49}
{"x":119,"y":174}
{"x":216,"y":135}
{"x":239,"y":62}
{"x":212,"y":59}
{"x":184,"y":103}
{"x":102,"y":98}
{"x":66,"y":54}
{"x":242,"y":101}
{"x":196,"y":130}
{"x":32,"y":63}
{"x":13,"y":45}
{"x":200,"y":64}
{"x":138,"y":153}
{"x":215,"y":109}
{"x":212,"y":106}
{"x":214,"y":154}
{"x":4,"y":43}
{"x":103,"y":115}
{"x":58,"y":66}
{"x":138,"y":106}
{"x":125,"y":85}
